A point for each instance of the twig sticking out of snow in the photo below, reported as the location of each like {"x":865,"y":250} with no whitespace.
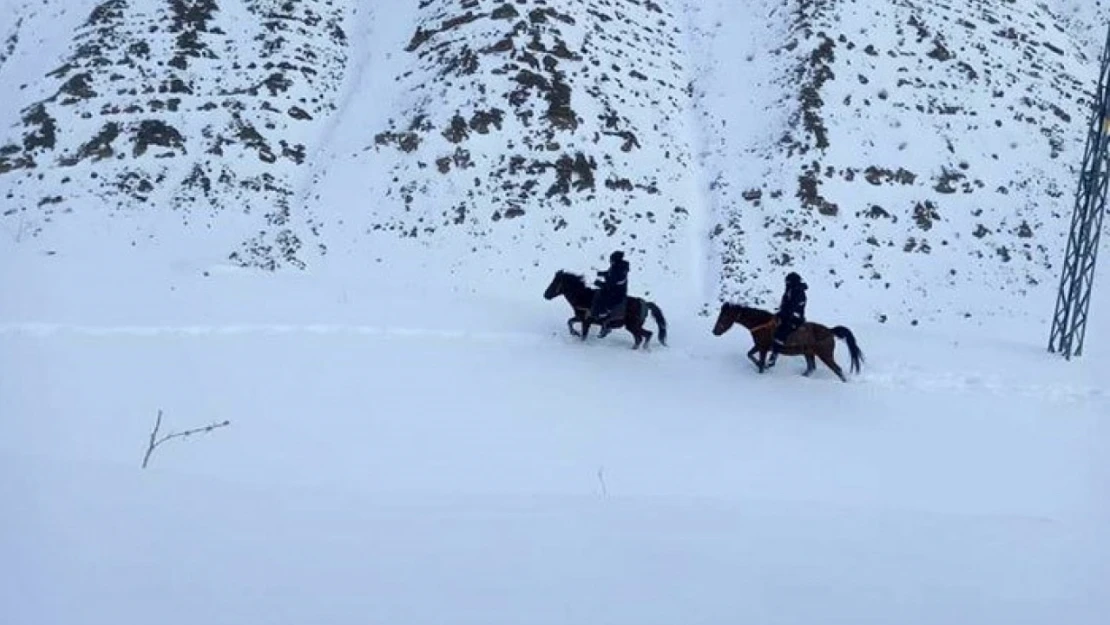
{"x":601,"y":479}
{"x":155,"y":441}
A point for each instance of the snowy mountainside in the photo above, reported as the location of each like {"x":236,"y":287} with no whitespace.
{"x":959,"y":477}
{"x":932,"y":148}
{"x":900,"y":156}
{"x":1087,"y":19}
{"x":34,"y":36}
{"x":528,"y":133}
{"x":191,"y":109}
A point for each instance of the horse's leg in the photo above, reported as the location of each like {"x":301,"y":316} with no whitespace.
{"x":811,"y":363}
{"x":763,"y":342}
{"x":763,"y":359}
{"x":826,"y":356}
{"x":638,"y":333}
{"x":570,"y":325}
{"x":751,"y":355}
{"x":631,"y":322}
{"x":585,"y":328}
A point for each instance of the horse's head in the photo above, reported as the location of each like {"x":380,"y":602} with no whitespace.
{"x":555,"y":289}
{"x":746,"y":316}
{"x":565,"y":283}
{"x":562,"y":284}
{"x":725,"y":319}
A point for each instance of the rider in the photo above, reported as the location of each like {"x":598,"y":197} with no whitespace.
{"x":791,"y":314}
{"x":613,"y":285}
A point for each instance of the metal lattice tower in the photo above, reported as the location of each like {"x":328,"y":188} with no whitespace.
{"x":1069,"y":324}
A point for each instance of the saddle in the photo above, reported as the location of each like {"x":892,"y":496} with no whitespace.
{"x":615,"y":318}
{"x":616,"y":313}
{"x":774,"y":324}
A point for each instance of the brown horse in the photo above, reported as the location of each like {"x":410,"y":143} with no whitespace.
{"x":581,"y":297}
{"x":810,"y":340}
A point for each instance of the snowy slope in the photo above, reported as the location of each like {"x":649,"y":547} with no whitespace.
{"x":413,"y":437}
{"x":173,"y":117}
{"x":519,"y":135}
{"x":903,"y":158}
{"x":387,"y":462}
{"x":1086,"y":19}
{"x":928,"y":149}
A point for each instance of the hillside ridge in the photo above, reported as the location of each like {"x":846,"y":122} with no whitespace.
{"x":900,"y":169}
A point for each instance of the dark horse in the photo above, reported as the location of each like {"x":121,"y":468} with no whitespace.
{"x":812,"y":339}
{"x":580,"y":297}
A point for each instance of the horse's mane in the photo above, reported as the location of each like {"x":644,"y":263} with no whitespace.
{"x":577,"y":278}
{"x":748,"y":309}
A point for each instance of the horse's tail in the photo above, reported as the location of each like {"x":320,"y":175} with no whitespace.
{"x":657,"y":315}
{"x":841,"y":332}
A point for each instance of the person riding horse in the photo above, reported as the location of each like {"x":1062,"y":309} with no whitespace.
{"x":612,"y":287}
{"x":791,"y":314}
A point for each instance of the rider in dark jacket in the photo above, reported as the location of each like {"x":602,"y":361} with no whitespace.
{"x":613,"y":288}
{"x":791,"y":314}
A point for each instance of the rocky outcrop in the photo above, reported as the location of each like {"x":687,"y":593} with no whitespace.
{"x":555,"y":115}
{"x":187,"y":106}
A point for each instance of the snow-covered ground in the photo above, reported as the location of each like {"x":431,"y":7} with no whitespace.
{"x":413,"y":438}
{"x":407,"y":454}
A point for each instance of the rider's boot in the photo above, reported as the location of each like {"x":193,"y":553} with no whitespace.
{"x":775,"y":347}
{"x":603,"y":319}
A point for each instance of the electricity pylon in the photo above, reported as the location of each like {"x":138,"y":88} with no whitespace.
{"x":1069,"y":324}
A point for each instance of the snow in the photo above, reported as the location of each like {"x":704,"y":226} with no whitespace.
{"x":399,"y":452}
{"x":305,"y":173}
{"x":999,"y":113}
{"x":414,"y":438}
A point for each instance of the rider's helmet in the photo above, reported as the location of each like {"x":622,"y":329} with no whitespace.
{"x":793,"y":278}
{"x":616,"y":256}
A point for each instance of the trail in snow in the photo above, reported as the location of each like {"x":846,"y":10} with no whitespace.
{"x":891,"y":375}
{"x":357,"y":59}
{"x":707,"y":209}
{"x":52,"y":329}
{"x":380,"y":447}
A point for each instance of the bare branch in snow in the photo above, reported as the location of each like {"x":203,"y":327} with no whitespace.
{"x":155,"y":441}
